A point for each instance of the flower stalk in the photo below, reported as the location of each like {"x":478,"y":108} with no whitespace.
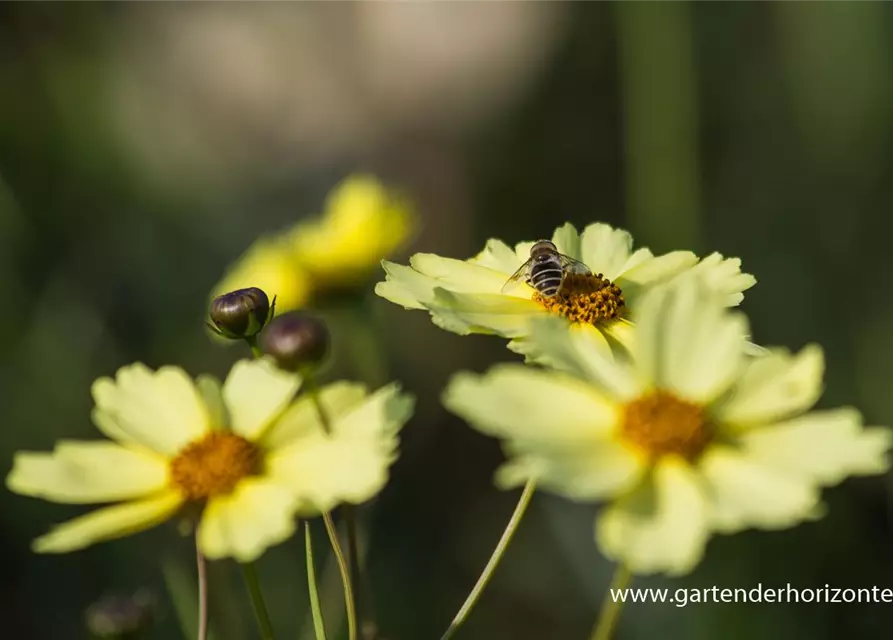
{"x":346,"y":578}
{"x":495,"y":558}
{"x":611,"y":607}
{"x":202,"y":571}
{"x":264,"y":623}
{"x":319,"y":626}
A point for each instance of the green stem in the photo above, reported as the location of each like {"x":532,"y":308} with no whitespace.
{"x":257,"y":601}
{"x":318,"y":622}
{"x":345,"y":576}
{"x":201,"y":567}
{"x":368,"y":628}
{"x":255,"y":349}
{"x":658,"y":84}
{"x":181,"y":591}
{"x":313,"y":392}
{"x":611,"y":606}
{"x":496,"y":556}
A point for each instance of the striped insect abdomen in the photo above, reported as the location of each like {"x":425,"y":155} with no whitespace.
{"x":546,"y":276}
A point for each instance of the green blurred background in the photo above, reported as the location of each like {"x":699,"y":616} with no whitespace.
{"x":144,"y":146}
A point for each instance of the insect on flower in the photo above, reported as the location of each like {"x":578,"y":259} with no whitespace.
{"x":546,"y":269}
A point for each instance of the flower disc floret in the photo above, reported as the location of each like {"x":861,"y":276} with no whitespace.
{"x":659,"y":424}
{"x":585,"y":298}
{"x":214,"y":465}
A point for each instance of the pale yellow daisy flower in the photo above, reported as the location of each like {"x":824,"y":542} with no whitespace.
{"x":244,"y":452}
{"x":338,"y":251}
{"x":471,"y":296}
{"x":685,"y":437}
{"x":363,"y":222}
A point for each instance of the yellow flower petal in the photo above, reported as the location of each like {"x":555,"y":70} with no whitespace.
{"x":301,"y":419}
{"x":517,"y":402}
{"x":109,"y":523}
{"x":498,"y":256}
{"x":381,"y":414}
{"x":211,"y":391}
{"x":567,"y":241}
{"x":465,"y":313}
{"x":363,"y":222}
{"x":459,"y":275}
{"x":325,"y":471}
{"x":622,"y":332}
{"x":653,"y":271}
{"x":256,"y":392}
{"x":161,"y":410}
{"x":660,"y":527}
{"x":775,"y":386}
{"x":348,"y":465}
{"x":405,"y":286}
{"x":745,"y":493}
{"x":257,"y":515}
{"x":87,"y":472}
{"x":823,"y":446}
{"x":269,"y":264}
{"x":605,"y":249}
{"x":688,"y":342}
{"x":584,"y":471}
{"x":723,"y":276}
{"x":584,"y":353}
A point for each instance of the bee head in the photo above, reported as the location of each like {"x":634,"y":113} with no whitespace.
{"x":542,"y":250}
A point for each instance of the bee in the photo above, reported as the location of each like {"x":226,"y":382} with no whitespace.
{"x":546,"y":269}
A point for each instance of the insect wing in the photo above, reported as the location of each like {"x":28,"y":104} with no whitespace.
{"x":572,"y":265}
{"x":521,"y":274}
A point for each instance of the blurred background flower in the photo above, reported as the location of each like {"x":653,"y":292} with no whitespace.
{"x":333,"y":254}
{"x":145,"y":146}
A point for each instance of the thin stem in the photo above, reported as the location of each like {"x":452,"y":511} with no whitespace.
{"x":313,"y":391}
{"x":367,"y":623}
{"x":345,"y":576}
{"x":611,"y":605}
{"x":318,"y":622}
{"x":257,"y":601}
{"x":498,"y":552}
{"x":251,"y":341}
{"x":201,"y":567}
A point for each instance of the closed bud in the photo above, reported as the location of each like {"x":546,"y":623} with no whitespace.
{"x":240,"y":314}
{"x":296,"y":341}
{"x":121,"y":617}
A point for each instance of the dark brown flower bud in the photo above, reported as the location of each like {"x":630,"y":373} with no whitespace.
{"x":240,"y":314}
{"x":296,"y":341}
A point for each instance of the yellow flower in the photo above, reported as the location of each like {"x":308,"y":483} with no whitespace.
{"x":684,"y":437}
{"x":270,"y":265}
{"x":362,"y":223}
{"x":471,"y":297}
{"x":245,"y":452}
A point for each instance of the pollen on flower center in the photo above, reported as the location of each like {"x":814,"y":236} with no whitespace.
{"x":585,"y":298}
{"x":660,"y":423}
{"x":214,"y":465}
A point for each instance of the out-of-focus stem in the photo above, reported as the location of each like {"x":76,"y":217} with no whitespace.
{"x":658,"y":84}
{"x":498,"y":552}
{"x":201,"y":566}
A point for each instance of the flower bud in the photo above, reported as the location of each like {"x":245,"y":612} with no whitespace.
{"x":296,"y":341}
{"x":118,"y":617}
{"x":240,"y":314}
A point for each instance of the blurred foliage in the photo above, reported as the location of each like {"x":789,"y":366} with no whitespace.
{"x":143,"y":147}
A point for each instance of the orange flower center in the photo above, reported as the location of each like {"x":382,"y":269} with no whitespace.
{"x":584,"y":298}
{"x":659,"y":423}
{"x":214,"y":465}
